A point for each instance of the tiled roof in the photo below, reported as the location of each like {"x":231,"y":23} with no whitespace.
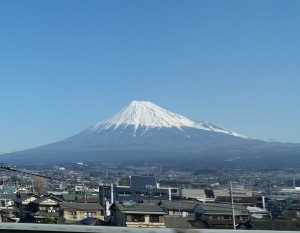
{"x":80,"y":206}
{"x":176,"y":222}
{"x":41,"y":199}
{"x":72,"y":197}
{"x":9,"y":196}
{"x":221,"y":208}
{"x":45,"y":214}
{"x":88,"y":200}
{"x":183,"y":205}
{"x":236,"y":199}
{"x":26,"y":196}
{"x":141,"y":208}
{"x":75,"y":197}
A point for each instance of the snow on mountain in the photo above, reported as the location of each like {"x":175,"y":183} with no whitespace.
{"x":146,"y":115}
{"x":143,"y":131}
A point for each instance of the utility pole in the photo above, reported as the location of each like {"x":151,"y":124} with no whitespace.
{"x":232,"y":206}
{"x":85,"y":195}
{"x":149,"y":186}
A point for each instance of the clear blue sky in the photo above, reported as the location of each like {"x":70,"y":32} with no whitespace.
{"x":65,"y":65}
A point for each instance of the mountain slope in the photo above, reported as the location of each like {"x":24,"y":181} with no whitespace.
{"x":144,"y":126}
{"x":143,"y":130}
{"x":146,"y":115}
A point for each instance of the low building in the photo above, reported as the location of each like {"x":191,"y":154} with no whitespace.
{"x":183,"y":208}
{"x":23,"y":202}
{"x":73,"y":212}
{"x":220,"y":215}
{"x":44,"y":208}
{"x":133,"y":214}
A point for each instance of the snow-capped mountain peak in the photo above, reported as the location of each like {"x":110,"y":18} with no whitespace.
{"x":146,"y":115}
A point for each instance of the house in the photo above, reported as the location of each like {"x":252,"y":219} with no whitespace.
{"x":73,"y":212}
{"x":44,"y":208}
{"x":133,"y":214}
{"x":219,"y":215}
{"x":33,"y":208}
{"x":10,"y":214}
{"x":13,"y":205}
{"x":184,"y":208}
{"x":7,"y":199}
{"x":23,"y":204}
{"x":220,"y":211}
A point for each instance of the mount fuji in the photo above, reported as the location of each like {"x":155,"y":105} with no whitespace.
{"x":145,"y":131}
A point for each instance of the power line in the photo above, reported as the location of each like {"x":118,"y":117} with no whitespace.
{"x":6,"y":167}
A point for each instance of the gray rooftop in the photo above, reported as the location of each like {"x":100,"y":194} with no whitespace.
{"x":184,"y":205}
{"x":177,"y":222}
{"x":139,"y":208}
{"x":221,"y":208}
{"x":80,"y":206}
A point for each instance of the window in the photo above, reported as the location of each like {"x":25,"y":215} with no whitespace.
{"x":124,"y":193}
{"x":73,"y":215}
{"x":173,"y":191}
{"x":42,"y":208}
{"x":154,"y":218}
{"x":160,"y":194}
{"x":138,"y":218}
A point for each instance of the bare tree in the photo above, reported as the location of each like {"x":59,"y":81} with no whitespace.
{"x":40,"y":185}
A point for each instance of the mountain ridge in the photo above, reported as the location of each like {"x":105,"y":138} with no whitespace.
{"x":145,"y":131}
{"x":148,"y":115}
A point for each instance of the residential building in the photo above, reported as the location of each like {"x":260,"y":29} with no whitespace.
{"x":219,"y":215}
{"x":220,"y":211}
{"x":133,"y":214}
{"x":43,"y":208}
{"x":184,"y":208}
{"x":73,"y":212}
{"x":23,"y":204}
